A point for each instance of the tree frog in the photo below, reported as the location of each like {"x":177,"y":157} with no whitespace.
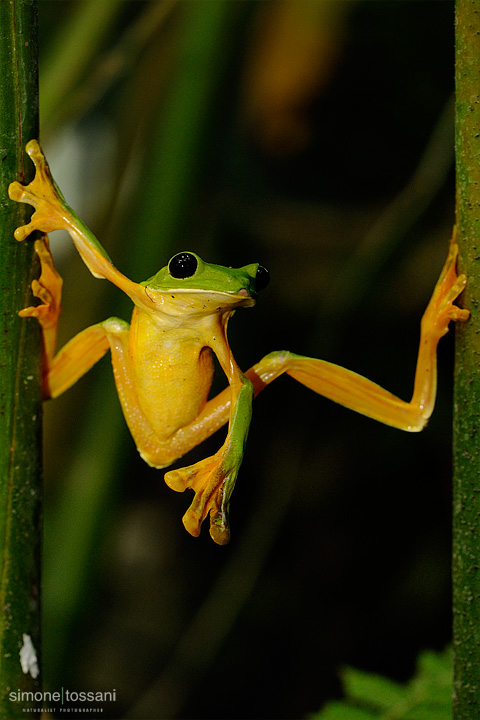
{"x":162,"y":360}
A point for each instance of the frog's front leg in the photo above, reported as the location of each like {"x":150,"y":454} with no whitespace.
{"x":213,"y":479}
{"x":362,"y":395}
{"x":53,"y":213}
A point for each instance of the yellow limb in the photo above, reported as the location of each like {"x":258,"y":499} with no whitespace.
{"x":62,"y":370}
{"x":354,"y":391}
{"x":359,"y":394}
{"x":75,"y":359}
{"x":48,"y":289}
{"x":213,"y":479}
{"x":53,"y":213}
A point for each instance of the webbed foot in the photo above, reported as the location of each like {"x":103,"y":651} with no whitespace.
{"x":42,"y":193}
{"x":441,"y":309}
{"x":48,"y":289}
{"x":212,"y":480}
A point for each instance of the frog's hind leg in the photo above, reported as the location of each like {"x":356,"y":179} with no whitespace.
{"x":62,"y":370}
{"x":81,"y":353}
{"x":47,"y":289}
{"x":76,"y":358}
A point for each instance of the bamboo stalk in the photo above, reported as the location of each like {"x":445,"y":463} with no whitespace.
{"x":466,"y":508}
{"x":20,"y":406}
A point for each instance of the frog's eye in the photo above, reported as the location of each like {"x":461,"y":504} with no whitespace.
{"x":262,"y":278}
{"x":183,"y":265}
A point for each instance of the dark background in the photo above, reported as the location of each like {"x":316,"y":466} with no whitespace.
{"x":317,"y":139}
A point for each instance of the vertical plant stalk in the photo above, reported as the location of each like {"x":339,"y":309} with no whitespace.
{"x":20,"y":407}
{"x":466,"y":508}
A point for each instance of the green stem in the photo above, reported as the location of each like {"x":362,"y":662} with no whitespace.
{"x":466,"y":515}
{"x":20,"y":406}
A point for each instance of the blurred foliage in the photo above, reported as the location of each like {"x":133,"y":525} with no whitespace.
{"x":315,"y":138}
{"x":428,"y":696}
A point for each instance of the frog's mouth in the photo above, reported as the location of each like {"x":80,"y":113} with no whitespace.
{"x":185,"y":301}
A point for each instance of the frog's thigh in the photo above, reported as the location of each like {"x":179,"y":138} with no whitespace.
{"x":86,"y":348}
{"x":152,"y":450}
{"x":157,"y":452}
{"x":75,"y":359}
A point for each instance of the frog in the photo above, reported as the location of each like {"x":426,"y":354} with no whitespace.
{"x":163,"y":360}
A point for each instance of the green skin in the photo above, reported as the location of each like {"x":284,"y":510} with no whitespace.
{"x":209,"y":278}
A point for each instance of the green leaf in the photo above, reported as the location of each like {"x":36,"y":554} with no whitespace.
{"x":426,"y":697}
{"x":340,"y":711}
{"x":369,"y":689}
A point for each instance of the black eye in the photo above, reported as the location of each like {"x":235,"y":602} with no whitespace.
{"x":262,"y":278}
{"x":182,"y":266}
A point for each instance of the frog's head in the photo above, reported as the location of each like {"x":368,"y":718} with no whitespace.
{"x":197,"y":281}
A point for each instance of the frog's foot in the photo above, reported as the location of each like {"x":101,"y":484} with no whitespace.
{"x":48,"y":289}
{"x":212,"y":480}
{"x":50,"y":209}
{"x":441,"y":309}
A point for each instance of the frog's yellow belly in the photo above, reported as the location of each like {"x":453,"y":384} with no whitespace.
{"x":172,"y":375}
